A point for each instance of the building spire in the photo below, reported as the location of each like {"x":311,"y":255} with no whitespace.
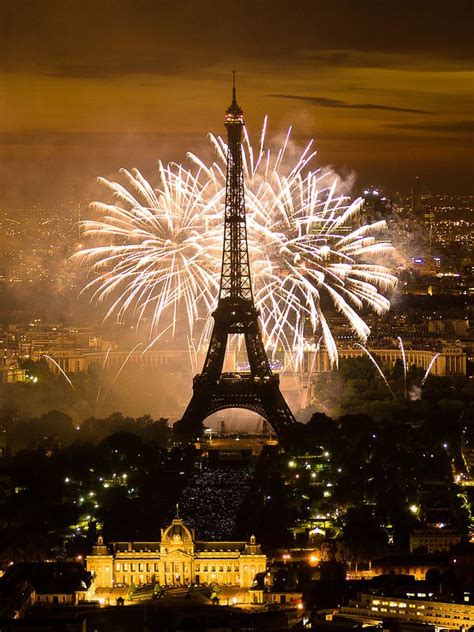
{"x":234,"y":111}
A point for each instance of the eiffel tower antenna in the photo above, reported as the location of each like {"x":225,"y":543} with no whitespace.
{"x":257,"y":390}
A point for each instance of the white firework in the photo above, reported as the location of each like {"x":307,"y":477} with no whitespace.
{"x":163,"y":246}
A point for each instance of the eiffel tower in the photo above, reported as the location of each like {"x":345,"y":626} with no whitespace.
{"x":257,"y":390}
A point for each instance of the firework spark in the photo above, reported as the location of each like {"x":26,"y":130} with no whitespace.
{"x":159,"y":254}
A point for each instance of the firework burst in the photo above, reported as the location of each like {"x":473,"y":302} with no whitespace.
{"x":160,"y":249}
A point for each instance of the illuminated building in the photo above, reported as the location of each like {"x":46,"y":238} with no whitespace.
{"x":415,"y":564}
{"x":177,"y":559}
{"x":52,"y":583}
{"x":443,"y":614}
{"x":290,"y":598}
{"x":13,"y":374}
{"x":434,"y":540}
{"x":451,"y":360}
{"x":376,"y":204}
{"x":75,"y":362}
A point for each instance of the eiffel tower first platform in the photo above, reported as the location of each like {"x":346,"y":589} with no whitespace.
{"x":259,"y":389}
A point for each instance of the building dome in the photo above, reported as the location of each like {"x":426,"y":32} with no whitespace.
{"x":177,"y":533}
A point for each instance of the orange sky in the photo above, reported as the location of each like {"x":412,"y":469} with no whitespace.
{"x":384,"y":87}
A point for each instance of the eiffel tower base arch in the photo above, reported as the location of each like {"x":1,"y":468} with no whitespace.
{"x":259,"y":396}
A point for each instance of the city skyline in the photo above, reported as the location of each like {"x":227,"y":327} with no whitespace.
{"x":384,"y":90}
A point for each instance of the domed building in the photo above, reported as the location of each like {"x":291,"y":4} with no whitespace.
{"x":177,"y":559}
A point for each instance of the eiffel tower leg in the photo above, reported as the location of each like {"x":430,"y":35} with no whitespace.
{"x":194,"y":415}
{"x":216,"y":353}
{"x":256,"y":353}
{"x":277,"y":411}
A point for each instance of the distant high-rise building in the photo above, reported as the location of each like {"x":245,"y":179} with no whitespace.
{"x":376,"y":204}
{"x":3,"y":442}
{"x":416,"y":203}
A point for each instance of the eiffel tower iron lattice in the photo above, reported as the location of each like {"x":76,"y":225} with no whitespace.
{"x":257,"y":390}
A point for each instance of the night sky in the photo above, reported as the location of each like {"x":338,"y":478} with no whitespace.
{"x":89,"y":86}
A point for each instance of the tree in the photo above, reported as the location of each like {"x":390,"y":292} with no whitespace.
{"x":363,"y":535}
{"x":323,"y":431}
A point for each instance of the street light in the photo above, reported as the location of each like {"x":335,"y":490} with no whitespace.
{"x":313,"y":559}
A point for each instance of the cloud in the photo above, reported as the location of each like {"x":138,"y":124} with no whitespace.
{"x":89,"y":139}
{"x":381,"y":58}
{"x":450,"y":127}
{"x":109,"y":38}
{"x":337,"y":103}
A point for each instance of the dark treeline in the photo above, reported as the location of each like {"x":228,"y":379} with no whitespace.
{"x":119,"y":475}
{"x":56,"y":429}
{"x":357,"y":387}
{"x":123,"y":475}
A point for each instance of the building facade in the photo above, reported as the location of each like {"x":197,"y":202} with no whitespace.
{"x":434,"y":540}
{"x":373,"y":609}
{"x":80,"y":361}
{"x":54,"y":583}
{"x":449,"y":360}
{"x":177,"y":559}
{"x":415,"y":564}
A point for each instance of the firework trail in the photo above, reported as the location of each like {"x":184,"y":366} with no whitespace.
{"x":428,"y":370}
{"x":155,"y":339}
{"x":102,"y":374}
{"x":404,"y":359}
{"x":310,"y":376}
{"x":63,"y":373}
{"x":159,"y":251}
{"x":122,"y":366}
{"x":313,"y":362}
{"x":377,"y":366}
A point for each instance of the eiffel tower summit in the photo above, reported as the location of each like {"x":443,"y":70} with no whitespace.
{"x":257,"y":390}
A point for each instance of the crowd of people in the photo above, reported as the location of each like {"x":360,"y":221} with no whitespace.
{"x":210,"y":501}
